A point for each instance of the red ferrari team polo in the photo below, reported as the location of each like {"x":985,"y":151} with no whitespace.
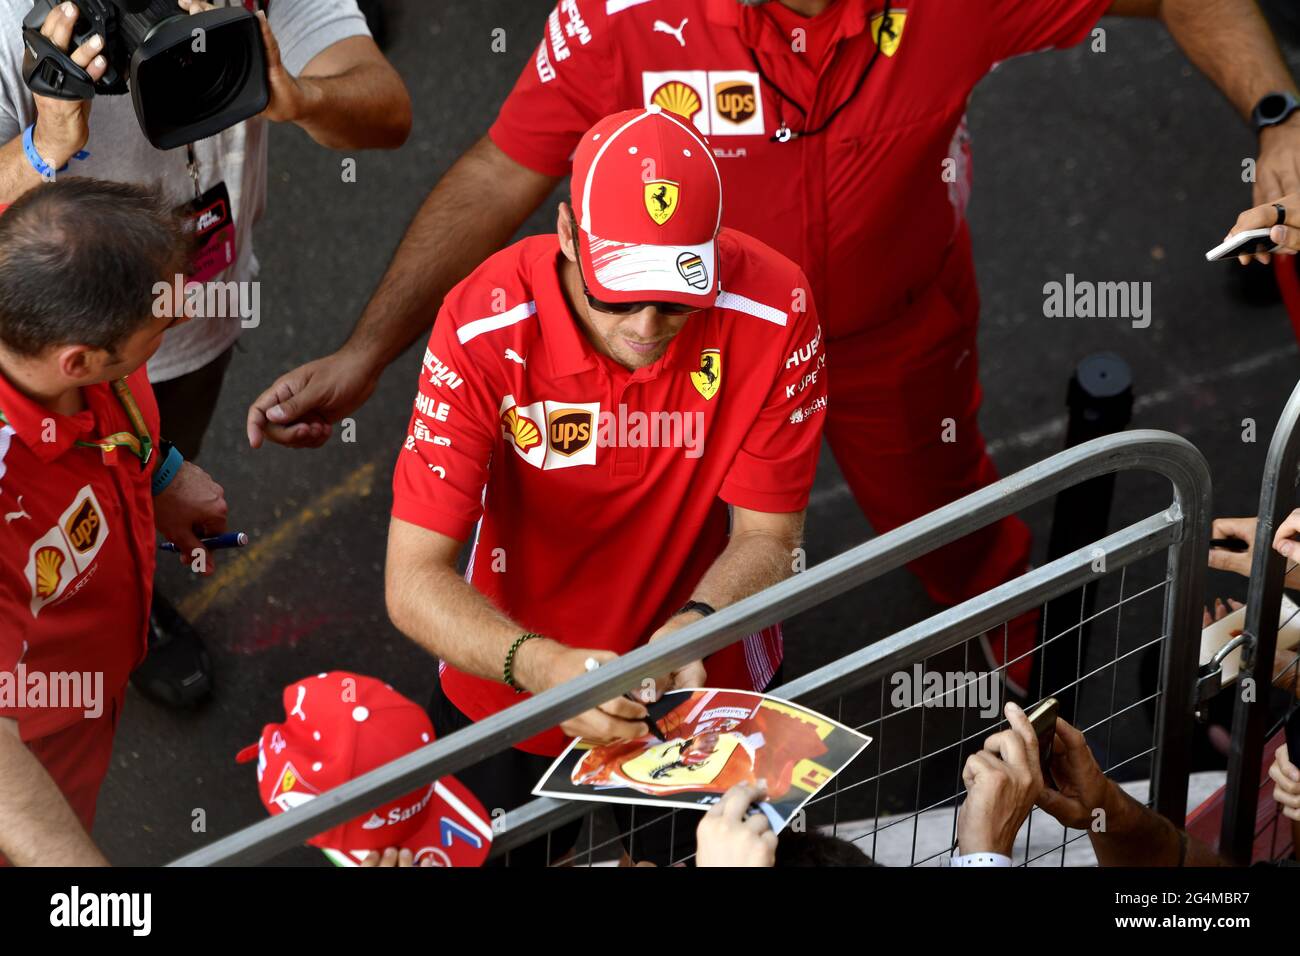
{"x":868,"y":205}
{"x":599,"y":493}
{"x":76,"y":569}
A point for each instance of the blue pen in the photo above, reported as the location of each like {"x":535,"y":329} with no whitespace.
{"x":234,"y":539}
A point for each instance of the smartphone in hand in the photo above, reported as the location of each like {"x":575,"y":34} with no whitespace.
{"x":1246,"y":243}
{"x":1042,"y":717}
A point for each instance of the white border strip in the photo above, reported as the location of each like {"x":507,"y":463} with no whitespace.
{"x":740,"y":303}
{"x":471,"y":330}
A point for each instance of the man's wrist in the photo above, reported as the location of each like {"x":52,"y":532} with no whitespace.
{"x":170,"y":463}
{"x":1287,"y":126}
{"x":1275,"y":110}
{"x":532,"y":664}
{"x":697,"y":610}
{"x":56,"y":155}
{"x":366,"y":353}
{"x":1121,"y":813}
{"x":306,"y":101}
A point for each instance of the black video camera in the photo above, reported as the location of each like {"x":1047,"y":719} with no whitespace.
{"x":190,"y":77}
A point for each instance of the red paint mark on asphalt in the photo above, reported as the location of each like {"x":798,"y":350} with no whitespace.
{"x":283,"y":632}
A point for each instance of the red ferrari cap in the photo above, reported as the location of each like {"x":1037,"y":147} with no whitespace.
{"x":648,"y":200}
{"x":338,"y":726}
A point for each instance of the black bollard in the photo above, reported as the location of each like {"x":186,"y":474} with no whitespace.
{"x":1100,"y":400}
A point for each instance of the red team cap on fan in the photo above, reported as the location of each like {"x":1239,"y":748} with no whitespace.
{"x":338,"y":726}
{"x":648,"y":200}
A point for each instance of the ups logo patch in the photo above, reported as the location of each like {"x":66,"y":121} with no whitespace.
{"x":82,"y":528}
{"x":570,"y":430}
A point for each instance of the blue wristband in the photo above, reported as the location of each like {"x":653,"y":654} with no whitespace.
{"x":46,"y":171}
{"x":167,"y":470}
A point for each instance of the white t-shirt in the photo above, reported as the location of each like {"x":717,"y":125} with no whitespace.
{"x":120,"y":152}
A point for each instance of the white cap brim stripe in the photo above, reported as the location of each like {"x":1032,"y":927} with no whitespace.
{"x":663,"y":270}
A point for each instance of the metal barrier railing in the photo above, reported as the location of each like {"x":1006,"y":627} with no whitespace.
{"x":1180,"y":531}
{"x":1251,"y":723}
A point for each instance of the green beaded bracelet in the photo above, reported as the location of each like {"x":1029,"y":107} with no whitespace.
{"x":507,"y":672}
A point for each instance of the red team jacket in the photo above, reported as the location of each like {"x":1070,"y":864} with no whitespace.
{"x":594,"y":523}
{"x":76,"y":570}
{"x":868,"y":206}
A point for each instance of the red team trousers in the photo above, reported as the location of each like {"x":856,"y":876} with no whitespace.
{"x":893,"y":387}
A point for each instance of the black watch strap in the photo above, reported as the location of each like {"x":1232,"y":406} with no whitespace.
{"x":1273,"y":108}
{"x":699,"y":607}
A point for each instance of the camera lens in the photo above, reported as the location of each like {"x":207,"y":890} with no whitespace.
{"x":194,"y":76}
{"x":188,"y":86}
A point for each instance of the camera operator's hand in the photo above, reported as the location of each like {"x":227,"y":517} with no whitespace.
{"x":63,"y":126}
{"x":288,"y":102}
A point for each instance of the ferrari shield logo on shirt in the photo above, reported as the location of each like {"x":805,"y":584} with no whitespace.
{"x":887,"y":32}
{"x":661,"y":198}
{"x":66,"y":550}
{"x":718,"y":102}
{"x":708,"y":379}
{"x":551,"y":435}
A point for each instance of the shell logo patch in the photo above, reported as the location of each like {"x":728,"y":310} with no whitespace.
{"x":48,"y":563}
{"x":708,"y":379}
{"x":520,"y":430}
{"x":661,"y":199}
{"x":677,"y":97}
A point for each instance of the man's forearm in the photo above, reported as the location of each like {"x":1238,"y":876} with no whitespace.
{"x":360,"y":109}
{"x":443,"y":613}
{"x":472,"y":212}
{"x":37,"y":827}
{"x":16,"y":174}
{"x":751,"y":562}
{"x":1134,"y":835}
{"x":1230,"y":42}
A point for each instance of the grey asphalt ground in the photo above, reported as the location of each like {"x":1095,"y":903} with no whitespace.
{"x":1122,"y":166}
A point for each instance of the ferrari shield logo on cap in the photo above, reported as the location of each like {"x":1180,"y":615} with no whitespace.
{"x":887,"y":32}
{"x":661,"y":198}
{"x":709,"y":377}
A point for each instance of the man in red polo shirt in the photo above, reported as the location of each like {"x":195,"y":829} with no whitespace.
{"x":839,"y":128}
{"x":589,"y":407}
{"x":85,"y":486}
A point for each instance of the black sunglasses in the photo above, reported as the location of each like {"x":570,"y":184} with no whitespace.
{"x":623,"y":308}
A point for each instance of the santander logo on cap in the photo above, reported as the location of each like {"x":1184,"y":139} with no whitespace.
{"x":340,"y":725}
{"x":647,"y":196}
